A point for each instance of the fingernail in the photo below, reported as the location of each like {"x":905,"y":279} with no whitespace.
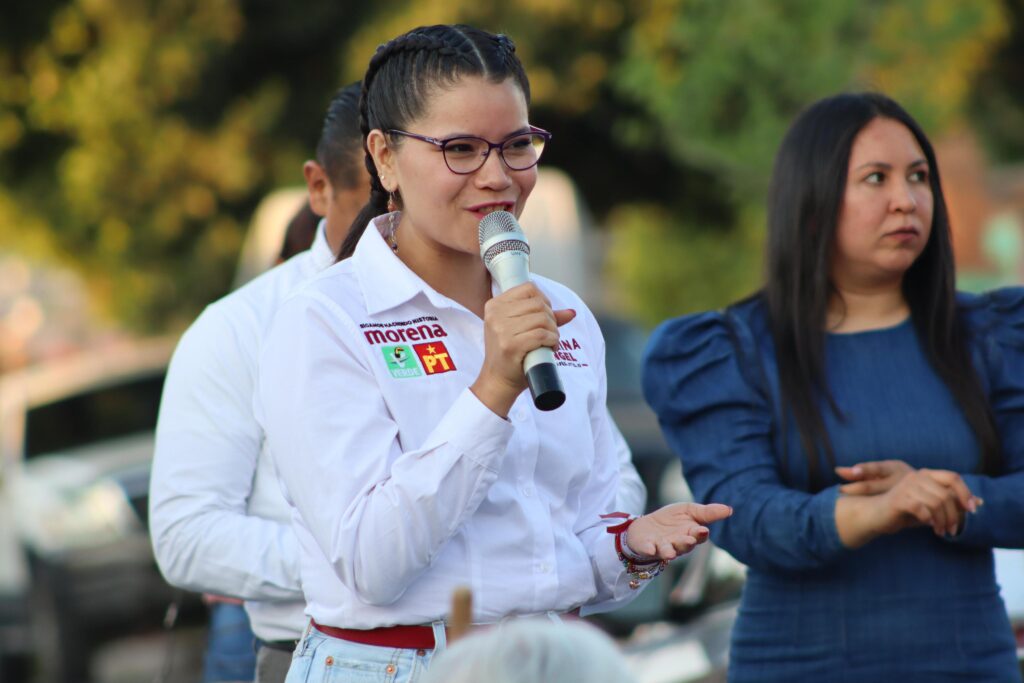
{"x":856,"y":470}
{"x":972,"y":506}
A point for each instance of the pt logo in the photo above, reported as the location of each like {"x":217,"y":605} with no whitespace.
{"x":434,"y":357}
{"x":401,"y":361}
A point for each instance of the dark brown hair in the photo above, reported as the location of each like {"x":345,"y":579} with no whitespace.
{"x":402,"y":76}
{"x":805,"y":198}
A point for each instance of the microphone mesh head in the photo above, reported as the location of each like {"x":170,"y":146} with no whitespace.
{"x":513,"y":244}
{"x":496,"y":223}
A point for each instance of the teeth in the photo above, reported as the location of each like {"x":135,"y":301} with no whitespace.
{"x":491,"y":209}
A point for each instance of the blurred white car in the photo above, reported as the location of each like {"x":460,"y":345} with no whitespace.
{"x":76,"y":440}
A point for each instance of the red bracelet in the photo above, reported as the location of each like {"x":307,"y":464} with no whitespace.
{"x":639,"y":570}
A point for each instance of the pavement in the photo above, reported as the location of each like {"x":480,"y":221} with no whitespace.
{"x":159,"y":657}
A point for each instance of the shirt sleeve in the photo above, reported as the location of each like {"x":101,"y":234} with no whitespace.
{"x":632,"y":494}
{"x":719,"y":421}
{"x":999,"y":522}
{"x":602,"y":493}
{"x":207,"y":445}
{"x":378,"y":513}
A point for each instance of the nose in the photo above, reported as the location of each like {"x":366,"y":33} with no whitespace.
{"x":494,"y":174}
{"x":903,"y":198}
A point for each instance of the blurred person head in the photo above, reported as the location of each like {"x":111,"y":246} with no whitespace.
{"x":336,"y":180}
{"x":422,"y":89}
{"x":532,"y":651}
{"x":299,"y":234}
{"x":856,"y":200}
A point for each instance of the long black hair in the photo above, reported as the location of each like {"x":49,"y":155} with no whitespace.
{"x":402,"y":76}
{"x":341,"y":139}
{"x":805,"y":198}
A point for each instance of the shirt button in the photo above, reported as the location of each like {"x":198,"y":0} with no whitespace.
{"x":544,"y":567}
{"x":527,"y":491}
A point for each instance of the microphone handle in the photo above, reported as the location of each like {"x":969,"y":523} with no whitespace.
{"x":511,"y":270}
{"x":542,"y":378}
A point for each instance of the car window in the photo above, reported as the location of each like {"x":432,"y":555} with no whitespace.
{"x":93,"y":416}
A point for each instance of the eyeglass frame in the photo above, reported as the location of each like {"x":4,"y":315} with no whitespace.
{"x":441,"y":144}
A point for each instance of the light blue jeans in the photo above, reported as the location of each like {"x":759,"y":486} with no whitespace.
{"x":229,"y":645}
{"x":320,"y":658}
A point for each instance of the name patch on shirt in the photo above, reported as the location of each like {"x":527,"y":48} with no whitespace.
{"x":401,"y":361}
{"x":434,"y":357}
{"x":568,"y":354}
{"x":425,"y":328}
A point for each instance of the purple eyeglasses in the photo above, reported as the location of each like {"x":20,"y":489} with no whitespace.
{"x":466,"y":154}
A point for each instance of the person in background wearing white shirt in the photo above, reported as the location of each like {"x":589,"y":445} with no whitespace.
{"x":390,"y":390}
{"x":218,"y":520}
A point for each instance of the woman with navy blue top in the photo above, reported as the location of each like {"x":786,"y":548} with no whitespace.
{"x":862,"y":418}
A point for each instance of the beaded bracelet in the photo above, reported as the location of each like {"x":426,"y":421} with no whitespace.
{"x":638,"y":569}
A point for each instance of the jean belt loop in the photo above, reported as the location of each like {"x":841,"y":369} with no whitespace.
{"x":555,"y":617}
{"x":440,"y":636}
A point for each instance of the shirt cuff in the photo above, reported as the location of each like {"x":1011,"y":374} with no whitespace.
{"x":970,"y":521}
{"x":823,"y":506}
{"x":474,"y":430}
{"x":612,"y":575}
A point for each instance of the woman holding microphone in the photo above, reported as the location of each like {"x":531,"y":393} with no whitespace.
{"x":392,"y":391}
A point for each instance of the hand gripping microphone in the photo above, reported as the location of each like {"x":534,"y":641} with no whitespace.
{"x":506,"y":254}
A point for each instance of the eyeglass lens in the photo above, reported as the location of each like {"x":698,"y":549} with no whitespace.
{"x":465,"y":155}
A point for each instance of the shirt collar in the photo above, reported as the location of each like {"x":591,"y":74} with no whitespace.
{"x":386,"y":281}
{"x":321,"y":253}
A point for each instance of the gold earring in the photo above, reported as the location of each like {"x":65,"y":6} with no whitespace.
{"x":392,"y":237}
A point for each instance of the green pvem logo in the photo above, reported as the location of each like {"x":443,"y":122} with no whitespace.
{"x":401,"y":361}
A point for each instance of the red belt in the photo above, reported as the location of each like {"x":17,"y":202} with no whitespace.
{"x":412,"y":637}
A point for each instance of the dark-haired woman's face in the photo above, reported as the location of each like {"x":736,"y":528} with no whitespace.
{"x":886,"y":216}
{"x":441,"y":209}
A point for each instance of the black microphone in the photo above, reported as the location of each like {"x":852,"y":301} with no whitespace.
{"x":506,"y":253}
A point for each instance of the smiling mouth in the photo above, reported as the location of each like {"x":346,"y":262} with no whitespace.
{"x":491,"y":208}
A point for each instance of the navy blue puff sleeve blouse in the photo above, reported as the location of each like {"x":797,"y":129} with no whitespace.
{"x":909,"y":606}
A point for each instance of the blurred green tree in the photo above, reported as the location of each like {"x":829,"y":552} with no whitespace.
{"x":997,"y":102}
{"x":137,"y":136}
{"x":722,"y":81}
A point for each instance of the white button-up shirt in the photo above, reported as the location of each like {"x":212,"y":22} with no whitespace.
{"x":218,"y":520}
{"x":404,"y":485}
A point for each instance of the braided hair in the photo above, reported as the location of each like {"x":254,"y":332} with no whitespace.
{"x":341,"y":138}
{"x":405,"y":72}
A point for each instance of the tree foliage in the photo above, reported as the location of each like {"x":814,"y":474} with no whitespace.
{"x":136,"y":136}
{"x":135,"y":145}
{"x":722,"y":81}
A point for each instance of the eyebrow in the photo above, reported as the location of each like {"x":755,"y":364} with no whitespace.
{"x":518,"y":131}
{"x":888,"y":167}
